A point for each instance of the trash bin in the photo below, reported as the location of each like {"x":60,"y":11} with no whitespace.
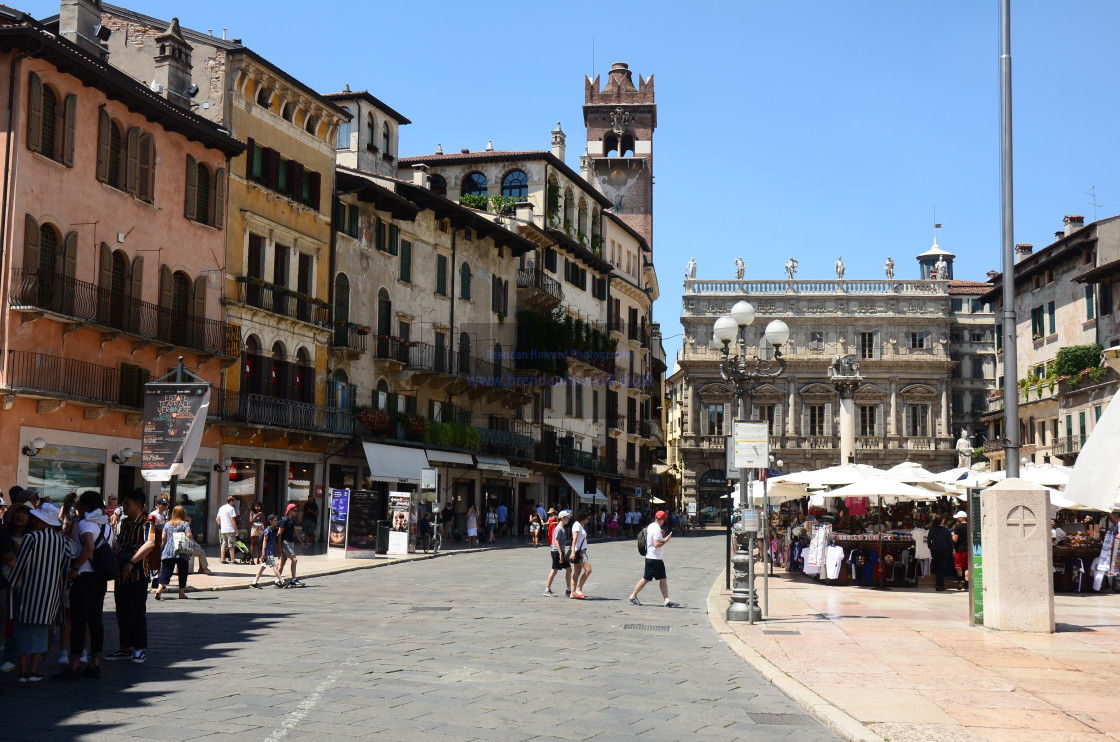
{"x":382,"y":544}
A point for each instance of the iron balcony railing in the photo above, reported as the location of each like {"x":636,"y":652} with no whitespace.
{"x":388,"y":348}
{"x":64,"y":377}
{"x":69,"y":297}
{"x":427,"y":357}
{"x":532,"y":278}
{"x":1068,"y":445}
{"x":260,"y":409}
{"x":349,"y":338}
{"x":281,"y":300}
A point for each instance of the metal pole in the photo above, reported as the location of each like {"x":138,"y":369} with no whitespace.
{"x":766,"y":564}
{"x":750,"y":581}
{"x":1010,"y":360}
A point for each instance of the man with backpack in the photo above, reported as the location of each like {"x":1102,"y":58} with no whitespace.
{"x":286,"y":534}
{"x":655,"y":541}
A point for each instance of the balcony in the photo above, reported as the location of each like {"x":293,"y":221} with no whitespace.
{"x":349,"y":340}
{"x":440,"y":366}
{"x":54,"y":293}
{"x":258,"y":409}
{"x":50,"y":376}
{"x":538,"y":290}
{"x":1068,"y":446}
{"x":614,"y":326}
{"x":283,"y":301}
{"x":616,"y":426}
{"x":386,"y":348}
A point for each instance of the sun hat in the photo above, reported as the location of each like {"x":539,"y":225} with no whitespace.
{"x":660,"y":514}
{"x":960,"y":514}
{"x":47,"y":513}
{"x":552,"y":511}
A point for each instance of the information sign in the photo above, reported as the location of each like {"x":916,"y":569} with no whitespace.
{"x":751,"y":444}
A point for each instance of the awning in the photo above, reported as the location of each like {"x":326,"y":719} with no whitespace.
{"x":518,"y":472}
{"x":449,"y":457}
{"x":575,"y":481}
{"x":394,"y":463}
{"x":492,"y":463}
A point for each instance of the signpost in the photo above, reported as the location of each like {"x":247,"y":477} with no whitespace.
{"x":174,"y":416}
{"x":976,"y":576}
{"x":751,"y":446}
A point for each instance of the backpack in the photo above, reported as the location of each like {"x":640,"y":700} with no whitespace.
{"x":104,"y":561}
{"x":642,"y":542}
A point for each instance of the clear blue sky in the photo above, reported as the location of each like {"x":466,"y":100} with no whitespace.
{"x":811,"y":128}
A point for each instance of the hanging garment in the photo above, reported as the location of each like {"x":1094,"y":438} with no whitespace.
{"x":856,"y":506}
{"x":922,"y":548}
{"x":835,"y":557}
{"x":870,"y":566}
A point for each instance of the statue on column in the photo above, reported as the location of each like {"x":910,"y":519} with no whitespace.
{"x":888,"y":268}
{"x":690,"y":270}
{"x":964,"y":450}
{"x":740,"y":268}
{"x":791,"y":268}
{"x":840,"y":268}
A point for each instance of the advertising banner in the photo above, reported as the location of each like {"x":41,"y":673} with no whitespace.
{"x":361,"y":522}
{"x":174,"y":416}
{"x":400,"y":521}
{"x":976,"y":574}
{"x":340,"y":506}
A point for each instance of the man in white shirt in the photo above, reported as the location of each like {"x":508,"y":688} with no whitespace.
{"x":227,"y":519}
{"x":655,"y":566}
{"x":581,"y":565}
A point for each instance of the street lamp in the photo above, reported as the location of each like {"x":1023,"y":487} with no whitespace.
{"x":745,"y":375}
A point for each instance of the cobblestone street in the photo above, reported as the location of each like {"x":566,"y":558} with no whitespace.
{"x":456,"y":648}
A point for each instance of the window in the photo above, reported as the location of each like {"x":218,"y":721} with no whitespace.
{"x":499,"y":295}
{"x":713,"y":424}
{"x":867,"y":344}
{"x":817,"y":424}
{"x":474,"y":184}
{"x":867,"y":420}
{"x":977,"y":337}
{"x":132,"y":381}
{"x":956,"y":305}
{"x":441,"y":275}
{"x":109,"y":151}
{"x":515,"y":185}
{"x":371,"y":133}
{"x":385,"y":151}
{"x":264,"y":165}
{"x":311,"y":125}
{"x":264,"y":95}
{"x":816,"y":340}
{"x":1105,"y":303}
{"x":465,"y":282}
{"x":437,"y":184}
{"x":917,"y":419}
{"x":50,"y":126}
{"x":1081,"y":425}
{"x":347,"y":219}
{"x":406,"y":261}
{"x":1090,"y":306}
{"x":768,"y":412}
{"x":1038,"y":323}
{"x":1096,"y":413}
{"x":579,"y":400}
{"x":205,"y":194}
{"x":288,"y":113}
{"x":343,"y":141}
{"x":999,"y":339}
{"x":569,"y":393}
{"x":919,"y":340}
{"x":977,"y":367}
{"x":1051,"y":314}
{"x":595,"y":406}
{"x":979,"y":403}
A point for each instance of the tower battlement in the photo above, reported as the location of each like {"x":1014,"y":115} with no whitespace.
{"x":619,"y":87}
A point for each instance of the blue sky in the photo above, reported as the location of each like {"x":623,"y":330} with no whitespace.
{"x":811,"y":128}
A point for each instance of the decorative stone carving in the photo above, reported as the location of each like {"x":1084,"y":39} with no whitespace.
{"x":1022,"y":521}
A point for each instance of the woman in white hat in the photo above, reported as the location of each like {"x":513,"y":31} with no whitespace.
{"x":38,"y":579}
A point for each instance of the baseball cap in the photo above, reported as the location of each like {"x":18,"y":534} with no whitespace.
{"x":660,"y":514}
{"x":960,"y":514}
{"x":163,"y":501}
{"x":290,"y":508}
{"x":565,"y":513}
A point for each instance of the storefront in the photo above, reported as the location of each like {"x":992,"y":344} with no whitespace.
{"x":712,"y":487}
{"x":193,"y":493}
{"x":272,"y":477}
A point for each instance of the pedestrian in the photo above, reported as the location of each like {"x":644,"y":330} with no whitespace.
{"x":228,"y":521}
{"x":535,"y":528}
{"x":256,"y":527}
{"x":550,"y":524}
{"x":656,"y":540}
{"x":446,"y":519}
{"x":503,"y":514}
{"x":286,"y":535}
{"x":581,"y":566}
{"x":613,"y":528}
{"x":266,"y":557}
{"x":158,"y":517}
{"x":114,"y":511}
{"x":310,"y":521}
{"x":38,"y":580}
{"x":559,"y":554}
{"x":542,"y":514}
{"x":491,"y":522}
{"x":940,"y":540}
{"x":424,"y":528}
{"x":177,"y":549}
{"x":87,"y":589}
{"x":960,"y":549}
{"x":472,"y":525}
{"x":136,"y":540}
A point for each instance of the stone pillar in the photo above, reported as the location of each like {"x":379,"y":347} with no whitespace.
{"x":1018,"y":580}
{"x":892,"y":412}
{"x":791,"y":418}
{"x":946,"y":423}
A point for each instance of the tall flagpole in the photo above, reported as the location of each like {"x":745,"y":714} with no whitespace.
{"x":1010,"y":361}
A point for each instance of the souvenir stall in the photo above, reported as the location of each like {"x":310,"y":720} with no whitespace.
{"x":1082,"y":558}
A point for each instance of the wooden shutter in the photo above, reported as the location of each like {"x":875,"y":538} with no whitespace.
{"x":828,"y":419}
{"x":338,"y":217}
{"x":104,"y":130}
{"x":494,"y":293}
{"x":138,"y":278}
{"x":130,"y":375}
{"x":69,"y":117}
{"x":441,"y":275}
{"x":146,"y":171}
{"x":394,"y":238}
{"x":70,"y":256}
{"x":505,"y":298}
{"x":379,"y":234}
{"x":272,"y":164}
{"x":200,"y":297}
{"x":465,"y":280}
{"x":30,"y":243}
{"x":355,"y":226}
{"x":314,"y":186}
{"x":165,"y":283}
{"x":191,"y":200}
{"x":218,"y":192}
{"x":35,"y":114}
{"x":879,"y":420}
{"x":250,"y":156}
{"x":778,"y":429}
{"x":406,"y":261}
{"x":132,"y":161}
{"x":295,"y":180}
{"x":105,"y":271}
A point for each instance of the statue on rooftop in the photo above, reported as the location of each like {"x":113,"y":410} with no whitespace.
{"x":840,"y":268}
{"x":690,"y":269}
{"x":888,"y":268}
{"x":791,"y":268}
{"x":740,"y":268}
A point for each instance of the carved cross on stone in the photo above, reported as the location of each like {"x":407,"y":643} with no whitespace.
{"x":1022,"y":518}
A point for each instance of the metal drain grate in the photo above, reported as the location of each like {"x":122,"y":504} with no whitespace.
{"x":643,"y":627}
{"x":786,"y":720}
{"x":429,"y":608}
{"x":781,"y":633}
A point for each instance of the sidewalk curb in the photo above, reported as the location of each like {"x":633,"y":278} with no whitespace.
{"x":839,"y":721}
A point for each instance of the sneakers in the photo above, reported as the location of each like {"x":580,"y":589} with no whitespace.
{"x":93,"y":672}
{"x":568,"y":593}
{"x":279,"y":583}
{"x":634,"y":601}
{"x":548,"y":592}
{"x":85,"y":656}
{"x":7,"y":667}
{"x":63,"y":658}
{"x":671,"y":604}
{"x":138,"y":657}
{"x":31,"y":677}
{"x":120,"y":654}
{"x":257,"y":585}
{"x":67,"y":674}
{"x":295,"y":583}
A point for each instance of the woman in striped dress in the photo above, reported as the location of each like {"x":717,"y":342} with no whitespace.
{"x":38,"y":580}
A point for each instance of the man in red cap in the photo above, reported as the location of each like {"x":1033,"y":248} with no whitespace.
{"x":286,"y":535}
{"x":655,"y":566}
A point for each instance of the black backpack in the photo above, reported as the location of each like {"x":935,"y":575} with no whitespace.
{"x":104,"y":561}
{"x":642,"y":542}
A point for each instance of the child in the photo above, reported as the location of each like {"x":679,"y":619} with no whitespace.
{"x":268,"y":553}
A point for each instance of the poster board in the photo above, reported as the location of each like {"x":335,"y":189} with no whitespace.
{"x":336,"y":536}
{"x":400,"y":522}
{"x":751,"y":441}
{"x":174,"y":417}
{"x":353,"y":524}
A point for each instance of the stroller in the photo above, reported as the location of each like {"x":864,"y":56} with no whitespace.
{"x":243,"y":556}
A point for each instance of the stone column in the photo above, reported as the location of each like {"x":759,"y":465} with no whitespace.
{"x":1018,"y":580}
{"x":946,"y":423}
{"x":845,"y":388}
{"x":791,"y":418}
{"x":892,"y":413}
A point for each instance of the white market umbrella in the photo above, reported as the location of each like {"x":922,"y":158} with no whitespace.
{"x":882,"y":486}
{"x":657,"y":501}
{"x":912,"y":473}
{"x":964,"y":478}
{"x":1044,"y":475}
{"x":832,"y":475}
{"x":1096,"y":474}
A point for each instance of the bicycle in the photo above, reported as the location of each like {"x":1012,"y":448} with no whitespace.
{"x":434,"y":541}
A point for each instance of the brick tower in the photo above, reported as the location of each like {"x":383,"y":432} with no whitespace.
{"x":620,"y":119}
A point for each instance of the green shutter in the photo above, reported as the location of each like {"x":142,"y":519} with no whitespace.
{"x":394,"y":238}
{"x":441,"y":275}
{"x":191,"y":198}
{"x":406,"y":261}
{"x":69,"y":116}
{"x":379,"y":234}
{"x":132,"y":161}
{"x":355,"y":226}
{"x":35,"y":114}
{"x":218,"y":193}
{"x":104,"y":127}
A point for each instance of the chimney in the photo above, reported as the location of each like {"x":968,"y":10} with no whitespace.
{"x":1073,"y":223}
{"x":79,"y":21}
{"x":420,"y":175}
{"x":621,"y":77}
{"x":558,"y":138}
{"x":586,"y":170}
{"x":992,"y":276}
{"x":1059,"y":235}
{"x":489,"y":145}
{"x":1023,"y":250}
{"x":172,"y":76}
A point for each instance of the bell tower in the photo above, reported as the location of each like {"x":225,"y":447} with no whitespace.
{"x":620,"y":119}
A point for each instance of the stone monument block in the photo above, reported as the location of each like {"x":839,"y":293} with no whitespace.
{"x":1018,"y":577}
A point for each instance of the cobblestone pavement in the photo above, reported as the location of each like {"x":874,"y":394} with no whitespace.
{"x":461,"y":647}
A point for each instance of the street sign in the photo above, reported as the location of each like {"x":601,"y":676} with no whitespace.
{"x":752,"y":444}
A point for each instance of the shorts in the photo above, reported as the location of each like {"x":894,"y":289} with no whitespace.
{"x":289,"y":549}
{"x":580,"y":557}
{"x":655,"y":570}
{"x":228,"y":539}
{"x":270,"y":561}
{"x":960,"y":559}
{"x":557,"y":564}
{"x":534,"y":528}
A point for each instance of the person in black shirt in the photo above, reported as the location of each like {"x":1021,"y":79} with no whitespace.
{"x":287,"y":538}
{"x":960,"y":549}
{"x":446,"y":518}
{"x":940,"y":540}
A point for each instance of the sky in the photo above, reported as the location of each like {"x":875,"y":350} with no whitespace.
{"x":804,"y":128}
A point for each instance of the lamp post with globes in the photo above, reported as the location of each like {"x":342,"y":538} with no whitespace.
{"x":745,"y":374}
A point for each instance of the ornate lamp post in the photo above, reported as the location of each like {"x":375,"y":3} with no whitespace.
{"x":745,"y":375}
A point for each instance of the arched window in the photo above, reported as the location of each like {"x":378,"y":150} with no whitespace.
{"x":305,"y":377}
{"x":48,"y":248}
{"x":252,"y":381}
{"x":437,"y":184}
{"x":371,"y":133}
{"x":289,"y":112}
{"x":569,"y":209}
{"x":581,"y":220}
{"x":381,"y":395}
{"x":465,"y":282}
{"x":464,"y":353}
{"x":474,"y":184}
{"x":311,"y":125}
{"x":618,"y":146}
{"x":342,"y":310}
{"x":264,"y":96}
{"x":385,"y":138}
{"x":278,"y":372}
{"x":50,"y":121}
{"x":50,"y":115}
{"x":515,"y":185}
{"x":384,"y":323}
{"x":596,"y":230}
{"x":340,"y":391}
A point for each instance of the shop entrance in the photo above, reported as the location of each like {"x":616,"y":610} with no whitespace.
{"x":274,"y":487}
